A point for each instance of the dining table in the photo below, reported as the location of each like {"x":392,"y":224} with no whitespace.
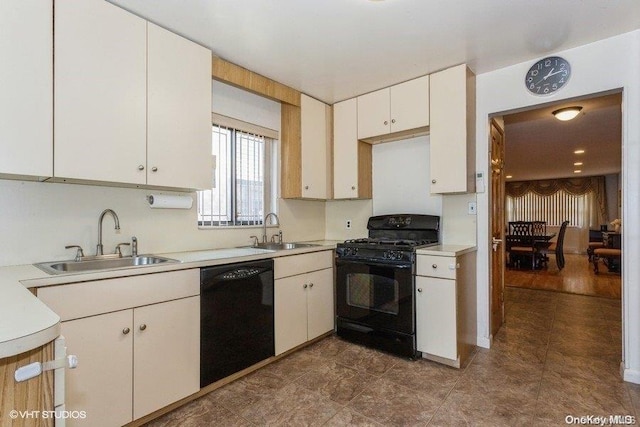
{"x":539,"y":242}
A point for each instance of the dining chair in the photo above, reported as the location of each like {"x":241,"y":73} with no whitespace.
{"x":557,"y":247}
{"x":520,"y":244}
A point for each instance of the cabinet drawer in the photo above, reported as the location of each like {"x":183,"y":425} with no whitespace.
{"x":84,"y":299}
{"x":298,"y":264}
{"x":437,"y":266}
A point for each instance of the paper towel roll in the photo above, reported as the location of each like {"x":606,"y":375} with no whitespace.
{"x":170,"y":202}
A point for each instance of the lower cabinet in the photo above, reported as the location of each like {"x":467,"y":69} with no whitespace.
{"x":446,"y":306}
{"x":137,"y":340}
{"x":304,"y":302}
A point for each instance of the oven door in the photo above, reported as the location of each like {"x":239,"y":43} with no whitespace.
{"x":377,"y":295}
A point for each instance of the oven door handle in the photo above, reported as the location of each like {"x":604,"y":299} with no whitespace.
{"x":373,"y":263}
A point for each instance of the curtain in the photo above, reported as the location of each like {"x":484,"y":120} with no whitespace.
{"x":594,"y":185}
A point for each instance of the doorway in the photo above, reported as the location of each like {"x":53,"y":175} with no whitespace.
{"x":538,"y":147}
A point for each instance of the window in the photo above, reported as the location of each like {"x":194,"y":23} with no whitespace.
{"x":243,"y":187}
{"x":554,"y":209}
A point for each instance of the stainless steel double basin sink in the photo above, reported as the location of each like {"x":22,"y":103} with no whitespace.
{"x":281,"y":246}
{"x":62,"y":267}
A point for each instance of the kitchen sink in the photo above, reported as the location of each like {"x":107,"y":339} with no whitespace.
{"x":61,"y":267}
{"x":282,"y":246}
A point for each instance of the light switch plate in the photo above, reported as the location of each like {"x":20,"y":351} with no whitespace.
{"x":472,"y":208}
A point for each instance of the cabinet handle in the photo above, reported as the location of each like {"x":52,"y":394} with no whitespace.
{"x":141,"y":167}
{"x":386,"y":122}
{"x":143,"y":327}
{"x":434,"y":265}
{"x":126,"y":331}
{"x":393,"y":120}
{"x":311,"y":285}
{"x":419,"y":289}
{"x":154,"y":169}
{"x":433,"y":181}
{"x":304,"y":286}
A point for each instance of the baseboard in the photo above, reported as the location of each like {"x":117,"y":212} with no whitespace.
{"x":484,"y":342}
{"x":631,"y":375}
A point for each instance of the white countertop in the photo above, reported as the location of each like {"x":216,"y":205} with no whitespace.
{"x":447,"y":250}
{"x":27,"y":323}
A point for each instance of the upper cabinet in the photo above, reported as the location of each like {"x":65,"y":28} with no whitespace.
{"x":26,"y":104}
{"x":132,"y":101}
{"x":452,"y":140}
{"x":100,"y":92}
{"x":306,"y":150}
{"x":178,"y":111}
{"x":395,"y":111}
{"x":351,"y":158}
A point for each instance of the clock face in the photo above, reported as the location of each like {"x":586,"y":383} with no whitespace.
{"x":547,"y":75}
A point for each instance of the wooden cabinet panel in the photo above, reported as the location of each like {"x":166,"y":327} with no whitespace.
{"x":100,"y":92}
{"x":298,"y":264}
{"x":452,"y":140}
{"x":178,"y":111}
{"x":314,"y":148}
{"x":373,"y":114}
{"x":26,"y":73}
{"x":436,"y":266}
{"x":438,"y":334}
{"x":320,"y":303}
{"x":101,"y":384}
{"x":171,"y":329}
{"x":409,"y":105}
{"x":290,"y":311}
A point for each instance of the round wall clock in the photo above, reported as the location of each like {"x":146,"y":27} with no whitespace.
{"x":548,"y":75}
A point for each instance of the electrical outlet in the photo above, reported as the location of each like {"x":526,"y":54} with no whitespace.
{"x":347,"y":225}
{"x":472,"y":208}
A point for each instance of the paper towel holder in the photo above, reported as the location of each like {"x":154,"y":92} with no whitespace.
{"x":169,"y":202}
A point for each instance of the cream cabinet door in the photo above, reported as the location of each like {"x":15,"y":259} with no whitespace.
{"x":373,"y":114}
{"x":290,"y":311}
{"x":314,"y":148}
{"x":101,"y":384}
{"x":452,"y":156}
{"x":320,"y":306}
{"x":100,"y":92}
{"x":179,"y":111}
{"x":166,"y":359}
{"x":345,"y":149}
{"x":410,"y":104}
{"x":437,"y":319}
{"x":26,"y":76}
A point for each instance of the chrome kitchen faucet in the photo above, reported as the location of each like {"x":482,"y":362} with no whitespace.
{"x":100,"y":220}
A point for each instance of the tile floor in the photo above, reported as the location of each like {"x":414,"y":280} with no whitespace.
{"x":558,"y":354}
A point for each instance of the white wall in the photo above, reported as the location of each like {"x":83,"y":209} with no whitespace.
{"x":401,"y":182}
{"x":339,"y":211}
{"x":38,"y":219}
{"x":612,"y":185}
{"x":503,"y":90}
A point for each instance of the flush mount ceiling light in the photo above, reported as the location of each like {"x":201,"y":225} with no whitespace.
{"x":509,"y":176}
{"x":567,"y":113}
{"x":578,"y":152}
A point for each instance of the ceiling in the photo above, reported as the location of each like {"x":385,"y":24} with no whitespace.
{"x":538,"y":146}
{"x":337,"y":49}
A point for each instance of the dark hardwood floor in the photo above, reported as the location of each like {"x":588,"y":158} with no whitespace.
{"x":577,"y":277}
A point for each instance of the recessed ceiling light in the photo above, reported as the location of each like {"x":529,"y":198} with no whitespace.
{"x":577,"y":164}
{"x":577,"y":171}
{"x":579,"y":152}
{"x":568,"y":113}
{"x":509,"y":176}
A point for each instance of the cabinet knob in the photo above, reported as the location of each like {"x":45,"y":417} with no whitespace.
{"x":143,"y":327}
{"x":386,"y":122}
{"x":353,"y":187}
{"x":140,"y":167}
{"x":433,"y":181}
{"x":419,"y":289}
{"x":393,"y":120}
{"x":125,"y":331}
{"x":434,"y":265}
{"x":306,"y":187}
{"x":304,"y":286}
{"x":311,"y":285}
{"x":154,"y":169}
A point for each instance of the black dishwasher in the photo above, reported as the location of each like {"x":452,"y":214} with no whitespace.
{"x":236,"y":318}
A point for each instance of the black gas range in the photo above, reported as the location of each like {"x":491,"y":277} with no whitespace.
{"x":375,"y":281}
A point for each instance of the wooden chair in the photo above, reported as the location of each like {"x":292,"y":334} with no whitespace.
{"x":557,"y":247}
{"x":520,"y":244}
{"x":608,"y":254}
